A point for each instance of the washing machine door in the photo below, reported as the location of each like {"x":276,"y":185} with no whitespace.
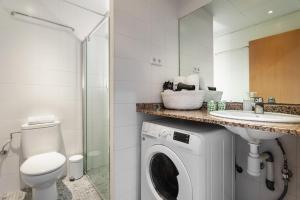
{"x":166,"y":175}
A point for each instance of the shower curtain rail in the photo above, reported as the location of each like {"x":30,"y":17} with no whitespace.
{"x":13,"y":13}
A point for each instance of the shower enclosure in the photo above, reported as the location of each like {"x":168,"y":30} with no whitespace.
{"x":96,"y":106}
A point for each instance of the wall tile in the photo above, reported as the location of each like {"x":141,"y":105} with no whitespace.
{"x":126,"y":137}
{"x":9,"y":165}
{"x":39,"y":75}
{"x":131,"y":70}
{"x":125,"y":115}
{"x":144,"y":29}
{"x":127,"y":167}
{"x":10,"y":182}
{"x":127,"y":47}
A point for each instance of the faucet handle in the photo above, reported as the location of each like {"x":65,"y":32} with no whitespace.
{"x":258,"y":100}
{"x":271,"y":100}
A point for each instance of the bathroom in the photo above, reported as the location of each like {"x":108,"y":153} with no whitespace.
{"x":98,"y":68}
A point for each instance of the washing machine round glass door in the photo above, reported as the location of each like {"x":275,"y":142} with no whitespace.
{"x":167,"y":176}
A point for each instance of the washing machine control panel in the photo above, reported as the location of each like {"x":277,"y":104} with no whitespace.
{"x":181,"y":137}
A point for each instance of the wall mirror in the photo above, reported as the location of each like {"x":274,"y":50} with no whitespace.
{"x":240,"y":46}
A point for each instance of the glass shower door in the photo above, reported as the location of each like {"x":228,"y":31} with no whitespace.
{"x":97,"y":109}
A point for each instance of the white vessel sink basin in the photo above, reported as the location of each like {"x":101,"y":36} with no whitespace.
{"x":183,"y":100}
{"x":251,"y":116}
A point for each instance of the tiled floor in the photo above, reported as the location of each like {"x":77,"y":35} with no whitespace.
{"x":100,"y":178}
{"x":80,"y":189}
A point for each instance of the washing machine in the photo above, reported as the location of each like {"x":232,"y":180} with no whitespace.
{"x":182,"y":160}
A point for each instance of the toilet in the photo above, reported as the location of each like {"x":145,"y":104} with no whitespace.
{"x":43,"y":164}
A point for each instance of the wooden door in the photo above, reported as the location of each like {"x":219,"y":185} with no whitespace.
{"x":275,"y":67}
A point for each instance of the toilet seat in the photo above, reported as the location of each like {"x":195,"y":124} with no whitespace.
{"x":42,"y":164}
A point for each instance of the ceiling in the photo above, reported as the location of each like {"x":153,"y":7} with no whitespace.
{"x":83,"y":16}
{"x":233,"y":15}
{"x":99,"y":6}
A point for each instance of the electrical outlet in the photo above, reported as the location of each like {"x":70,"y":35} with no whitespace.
{"x":196,"y":70}
{"x":156,"y":62}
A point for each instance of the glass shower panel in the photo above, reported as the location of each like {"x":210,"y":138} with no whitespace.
{"x":97,"y":109}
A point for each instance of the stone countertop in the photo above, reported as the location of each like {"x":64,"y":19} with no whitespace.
{"x":203,"y":116}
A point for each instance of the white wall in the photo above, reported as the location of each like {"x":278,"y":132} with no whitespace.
{"x":231,"y":69}
{"x":143,"y":30}
{"x":231,"y":74}
{"x":39,"y":74}
{"x":196,"y":45}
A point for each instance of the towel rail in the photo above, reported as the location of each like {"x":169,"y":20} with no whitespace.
{"x":13,"y":13}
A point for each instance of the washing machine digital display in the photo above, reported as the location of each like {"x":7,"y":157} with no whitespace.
{"x":181,"y":137}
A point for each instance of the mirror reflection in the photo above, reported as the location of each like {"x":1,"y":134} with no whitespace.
{"x":241,"y":46}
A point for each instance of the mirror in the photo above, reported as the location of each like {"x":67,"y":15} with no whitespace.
{"x":240,"y":46}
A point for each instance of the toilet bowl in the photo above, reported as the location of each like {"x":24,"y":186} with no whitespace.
{"x":41,"y":173}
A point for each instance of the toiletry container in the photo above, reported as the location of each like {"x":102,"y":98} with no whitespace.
{"x":75,"y":167}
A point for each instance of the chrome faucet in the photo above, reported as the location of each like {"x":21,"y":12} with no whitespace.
{"x":259,"y":105}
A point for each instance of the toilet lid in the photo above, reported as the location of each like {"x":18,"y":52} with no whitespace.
{"x":42,"y":163}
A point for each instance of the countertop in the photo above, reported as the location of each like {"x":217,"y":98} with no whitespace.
{"x":203,"y":116}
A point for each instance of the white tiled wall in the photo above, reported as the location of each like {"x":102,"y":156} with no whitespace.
{"x":39,"y":74}
{"x":143,"y":29}
{"x":249,"y":187}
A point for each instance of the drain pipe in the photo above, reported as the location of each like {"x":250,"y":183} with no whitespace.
{"x":255,"y":164}
{"x":286,"y":173}
{"x":268,"y":157}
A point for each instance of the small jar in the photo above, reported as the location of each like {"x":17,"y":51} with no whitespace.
{"x":211,"y":106}
{"x":222,"y":105}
